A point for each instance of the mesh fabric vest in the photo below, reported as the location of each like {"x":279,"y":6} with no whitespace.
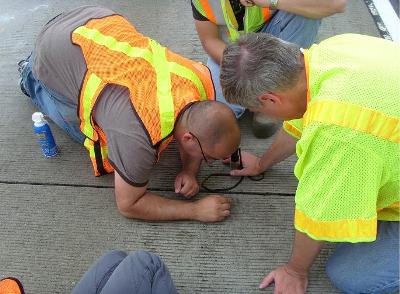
{"x":160,"y":82}
{"x":353,"y":89}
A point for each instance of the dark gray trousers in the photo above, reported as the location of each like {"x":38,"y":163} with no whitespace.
{"x":139,"y":272}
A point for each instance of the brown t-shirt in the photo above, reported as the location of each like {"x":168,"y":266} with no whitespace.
{"x":60,"y":65}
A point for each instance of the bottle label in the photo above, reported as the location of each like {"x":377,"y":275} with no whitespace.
{"x":46,"y":141}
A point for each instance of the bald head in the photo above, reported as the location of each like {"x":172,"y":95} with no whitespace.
{"x":214,"y":123}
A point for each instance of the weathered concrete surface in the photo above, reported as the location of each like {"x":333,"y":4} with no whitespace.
{"x":54,"y":233}
{"x":56,"y":218}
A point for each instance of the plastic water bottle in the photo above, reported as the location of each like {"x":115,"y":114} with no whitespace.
{"x":44,"y":136}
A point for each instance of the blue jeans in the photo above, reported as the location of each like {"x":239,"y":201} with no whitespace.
{"x":368,"y":267}
{"x":286,"y":26}
{"x":139,"y":272}
{"x":57,"y":107}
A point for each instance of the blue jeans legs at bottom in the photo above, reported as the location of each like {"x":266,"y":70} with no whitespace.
{"x":371,"y":268}
{"x":117,"y":272}
{"x":286,"y":26}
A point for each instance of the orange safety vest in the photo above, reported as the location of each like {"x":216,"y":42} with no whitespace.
{"x":160,"y":82}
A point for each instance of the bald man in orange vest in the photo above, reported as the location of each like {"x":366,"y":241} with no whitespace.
{"x":124,"y":97}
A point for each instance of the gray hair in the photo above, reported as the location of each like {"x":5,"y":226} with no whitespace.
{"x":258,"y":63}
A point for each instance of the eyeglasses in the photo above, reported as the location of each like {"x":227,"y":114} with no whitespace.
{"x":202,"y":152}
{"x":236,"y":157}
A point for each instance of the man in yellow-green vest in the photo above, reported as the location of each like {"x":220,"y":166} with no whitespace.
{"x":219,"y":22}
{"x":124,"y":97}
{"x":340,"y":102}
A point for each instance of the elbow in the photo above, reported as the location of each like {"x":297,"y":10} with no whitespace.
{"x":128,"y":208}
{"x":128,"y":198}
{"x":127,"y":211}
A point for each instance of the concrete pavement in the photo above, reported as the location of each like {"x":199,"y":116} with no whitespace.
{"x":56,"y":218}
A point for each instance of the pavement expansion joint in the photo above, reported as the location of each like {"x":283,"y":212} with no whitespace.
{"x":150,"y":189}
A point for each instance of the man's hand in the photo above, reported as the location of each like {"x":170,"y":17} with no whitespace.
{"x":261,"y":3}
{"x":251,"y":165}
{"x":292,"y":277}
{"x":306,"y":8}
{"x":213,"y":208}
{"x":287,"y":280}
{"x":186,"y":184}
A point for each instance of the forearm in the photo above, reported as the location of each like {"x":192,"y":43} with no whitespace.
{"x":304,"y":252}
{"x":210,"y":39}
{"x":308,"y":8}
{"x":154,"y":207}
{"x":214,"y":48}
{"x":283,"y":147}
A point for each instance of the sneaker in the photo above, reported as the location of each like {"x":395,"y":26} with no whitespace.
{"x":21,"y":66}
{"x":263,"y":126}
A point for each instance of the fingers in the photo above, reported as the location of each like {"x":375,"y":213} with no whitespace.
{"x":223,"y":199}
{"x":225,"y":206}
{"x":193,"y":191}
{"x":178,"y":184}
{"x":185,"y":189}
{"x":267,"y":280}
{"x":239,"y":172}
{"x":186,"y":186}
{"x":225,"y":213}
{"x":247,"y":2}
{"x":189,"y":190}
{"x":213,"y":208}
{"x":226,"y":160}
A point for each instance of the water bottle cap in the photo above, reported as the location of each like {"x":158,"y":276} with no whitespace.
{"x":38,"y":117}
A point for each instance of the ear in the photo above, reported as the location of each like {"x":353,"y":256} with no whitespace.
{"x":270,"y":98}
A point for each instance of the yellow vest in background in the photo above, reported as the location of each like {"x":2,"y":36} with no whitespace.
{"x":220,"y":13}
